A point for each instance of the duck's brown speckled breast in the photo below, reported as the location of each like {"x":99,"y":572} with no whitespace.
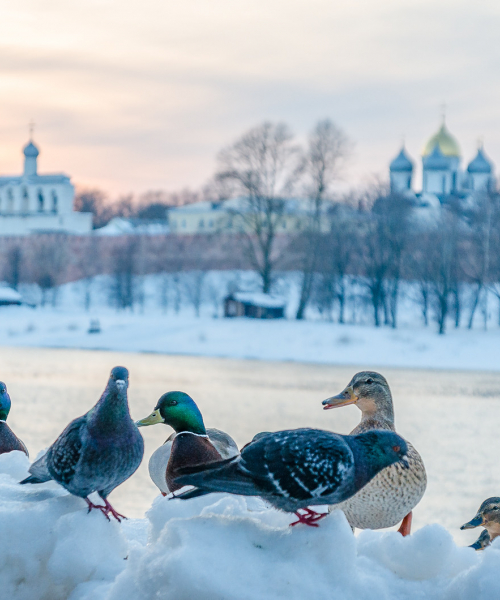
{"x":389,"y":496}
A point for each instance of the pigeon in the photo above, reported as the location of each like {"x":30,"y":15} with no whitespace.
{"x":8,"y":439}
{"x":298,"y":468}
{"x":391,"y":496}
{"x":190,"y":444}
{"x":96,"y":452}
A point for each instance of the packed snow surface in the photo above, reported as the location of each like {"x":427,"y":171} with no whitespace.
{"x":218,"y":547}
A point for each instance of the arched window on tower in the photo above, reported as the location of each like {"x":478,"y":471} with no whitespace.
{"x":40,"y":201}
{"x":54,"y":202}
{"x":25,"y":206}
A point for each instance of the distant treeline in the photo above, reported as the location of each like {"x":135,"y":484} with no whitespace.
{"x":373,"y":248}
{"x":371,"y":241}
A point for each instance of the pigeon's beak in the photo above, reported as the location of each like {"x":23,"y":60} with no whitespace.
{"x":405,"y":461}
{"x":121,"y":384}
{"x":343,"y":399}
{"x":154,"y":418}
{"x":475,"y":522}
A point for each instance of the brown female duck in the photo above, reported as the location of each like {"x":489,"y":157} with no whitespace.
{"x":392,"y":494}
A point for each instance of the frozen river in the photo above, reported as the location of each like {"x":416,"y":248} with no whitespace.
{"x":451,"y":417}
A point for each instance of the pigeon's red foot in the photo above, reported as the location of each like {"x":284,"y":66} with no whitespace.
{"x":309,"y":517}
{"x":405,"y":528}
{"x":106,"y":510}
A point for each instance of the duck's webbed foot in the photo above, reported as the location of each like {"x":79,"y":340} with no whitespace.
{"x":309,"y":517}
{"x":405,"y":528}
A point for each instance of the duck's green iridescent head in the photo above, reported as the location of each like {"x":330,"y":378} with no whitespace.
{"x":178,"y":410}
{"x":4,"y":402}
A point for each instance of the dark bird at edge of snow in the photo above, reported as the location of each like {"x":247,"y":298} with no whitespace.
{"x":97,"y":451}
{"x":8,"y":439}
{"x":298,"y":468}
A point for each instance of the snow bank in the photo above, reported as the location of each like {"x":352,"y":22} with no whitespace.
{"x":216,"y":548}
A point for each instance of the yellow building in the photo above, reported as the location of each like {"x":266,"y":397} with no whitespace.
{"x":236,"y":215}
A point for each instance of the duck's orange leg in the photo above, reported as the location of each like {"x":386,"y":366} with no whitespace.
{"x":405,"y":528}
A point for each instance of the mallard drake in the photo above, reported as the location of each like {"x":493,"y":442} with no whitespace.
{"x":299,"y":468}
{"x":8,"y":439}
{"x":96,"y":452}
{"x":488,"y":516}
{"x":391,"y":496}
{"x":190,"y":444}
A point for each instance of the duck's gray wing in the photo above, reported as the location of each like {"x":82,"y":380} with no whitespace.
{"x":223,"y":443}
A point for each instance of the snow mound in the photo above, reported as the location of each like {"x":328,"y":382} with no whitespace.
{"x":218,"y":547}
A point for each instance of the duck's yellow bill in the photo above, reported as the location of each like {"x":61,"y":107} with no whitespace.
{"x":343,"y":399}
{"x":154,"y":418}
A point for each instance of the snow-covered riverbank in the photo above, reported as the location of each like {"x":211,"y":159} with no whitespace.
{"x":218,"y":548}
{"x":305,"y":341}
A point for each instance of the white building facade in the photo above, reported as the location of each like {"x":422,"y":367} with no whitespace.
{"x":33,"y":203}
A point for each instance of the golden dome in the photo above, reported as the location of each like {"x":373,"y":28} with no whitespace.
{"x":446,"y":142}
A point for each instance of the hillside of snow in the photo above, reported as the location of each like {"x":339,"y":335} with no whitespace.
{"x":219,"y":547}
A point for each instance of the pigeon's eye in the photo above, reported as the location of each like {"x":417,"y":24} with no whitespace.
{"x":369,"y":380}
{"x":396,"y":448}
{"x":173,"y":402}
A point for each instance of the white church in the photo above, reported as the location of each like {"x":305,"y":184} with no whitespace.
{"x":33,"y":203}
{"x":442,"y":174}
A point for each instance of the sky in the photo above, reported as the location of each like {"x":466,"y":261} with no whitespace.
{"x":130,"y":96}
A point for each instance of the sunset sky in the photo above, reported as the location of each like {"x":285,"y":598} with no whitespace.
{"x":137,"y":95}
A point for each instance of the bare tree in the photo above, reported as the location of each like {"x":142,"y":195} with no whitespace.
{"x":440,"y":255}
{"x":194,"y":288}
{"x":263,"y":166}
{"x":12,"y":270}
{"x":484,"y":221}
{"x":48,"y":261}
{"x":386,"y":233}
{"x":337,"y":251}
{"x":326,"y":148}
{"x":123,"y":267}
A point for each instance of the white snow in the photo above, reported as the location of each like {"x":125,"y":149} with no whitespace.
{"x":260,"y":299}
{"x":304,"y":341}
{"x":7,"y":294}
{"x":153,"y":328}
{"x":219,"y":547}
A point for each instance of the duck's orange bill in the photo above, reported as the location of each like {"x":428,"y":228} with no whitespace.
{"x":343,"y":399}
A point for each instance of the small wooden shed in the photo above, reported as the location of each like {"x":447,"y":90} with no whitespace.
{"x":9,"y":296}
{"x":255,"y":305}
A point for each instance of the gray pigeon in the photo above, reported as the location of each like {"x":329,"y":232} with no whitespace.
{"x":96,"y":452}
{"x":298,"y":468}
